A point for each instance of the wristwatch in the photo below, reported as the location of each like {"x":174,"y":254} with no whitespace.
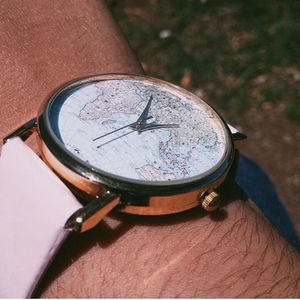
{"x":111,"y":141}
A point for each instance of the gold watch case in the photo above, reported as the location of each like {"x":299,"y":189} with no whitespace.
{"x":128,"y":196}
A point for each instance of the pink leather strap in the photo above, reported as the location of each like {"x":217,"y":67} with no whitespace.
{"x":34,"y":206}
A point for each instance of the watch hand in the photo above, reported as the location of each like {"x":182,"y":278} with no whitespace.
{"x":132,"y":125}
{"x":143,"y":117}
{"x":157,"y":126}
{"x":135,"y":125}
{"x":116,"y":138}
{"x":150,"y":126}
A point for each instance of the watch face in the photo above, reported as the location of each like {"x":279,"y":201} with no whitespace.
{"x":138,"y":129}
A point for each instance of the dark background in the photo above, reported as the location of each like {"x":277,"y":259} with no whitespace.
{"x":242,"y":57}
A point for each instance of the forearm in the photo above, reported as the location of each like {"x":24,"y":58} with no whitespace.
{"x":46,"y":43}
{"x":235,"y":254}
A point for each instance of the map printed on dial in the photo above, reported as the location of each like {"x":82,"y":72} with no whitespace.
{"x":139,"y":130}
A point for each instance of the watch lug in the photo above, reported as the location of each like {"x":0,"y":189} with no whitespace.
{"x":237,"y":137}
{"x":24,"y":131}
{"x":89,"y":216}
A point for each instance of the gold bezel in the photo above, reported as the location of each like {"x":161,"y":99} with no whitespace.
{"x":161,"y":197}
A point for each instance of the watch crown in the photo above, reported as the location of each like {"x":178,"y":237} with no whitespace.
{"x":211,"y":201}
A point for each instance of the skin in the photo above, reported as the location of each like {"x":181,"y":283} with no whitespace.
{"x":232,"y":253}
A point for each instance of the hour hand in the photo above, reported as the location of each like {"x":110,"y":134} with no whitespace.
{"x":154,"y":125}
{"x":144,"y":115}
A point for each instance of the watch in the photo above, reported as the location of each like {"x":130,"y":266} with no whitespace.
{"x":111,"y":141}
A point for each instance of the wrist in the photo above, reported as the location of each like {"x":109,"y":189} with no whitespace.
{"x":233,"y":253}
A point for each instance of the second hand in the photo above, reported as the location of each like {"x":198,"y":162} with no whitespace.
{"x":116,"y":138}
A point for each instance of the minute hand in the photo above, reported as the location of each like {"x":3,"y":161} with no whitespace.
{"x":152,"y":126}
{"x":133,"y":125}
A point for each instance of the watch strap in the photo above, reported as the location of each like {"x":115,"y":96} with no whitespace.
{"x":34,"y":206}
{"x":232,"y":129}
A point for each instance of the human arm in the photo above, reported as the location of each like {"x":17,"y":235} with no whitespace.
{"x":233,"y":253}
{"x":47,"y":43}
